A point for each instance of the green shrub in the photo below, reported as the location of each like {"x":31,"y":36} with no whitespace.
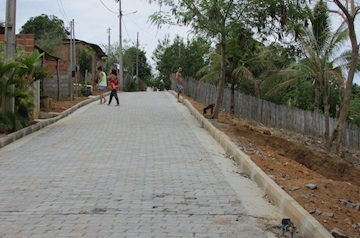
{"x":131,"y":87}
{"x":24,"y":105}
{"x":5,"y":124}
{"x":85,"y":91}
{"x":11,"y":122}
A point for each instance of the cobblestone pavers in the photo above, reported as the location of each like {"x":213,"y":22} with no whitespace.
{"x":144,"y":169}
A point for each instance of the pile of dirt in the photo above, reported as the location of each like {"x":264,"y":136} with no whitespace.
{"x":293,"y":161}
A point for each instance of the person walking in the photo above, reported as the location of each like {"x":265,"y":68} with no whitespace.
{"x":113,"y":86}
{"x":179,"y":85}
{"x":102,"y":84}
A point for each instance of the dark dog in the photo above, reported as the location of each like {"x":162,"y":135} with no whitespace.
{"x":211,"y":107}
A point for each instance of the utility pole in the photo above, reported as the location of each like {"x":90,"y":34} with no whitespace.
{"x":75,"y":66}
{"x":10,"y":47}
{"x":108,"y":56}
{"x":137,"y":62}
{"x":71,"y":62}
{"x":120,"y":49}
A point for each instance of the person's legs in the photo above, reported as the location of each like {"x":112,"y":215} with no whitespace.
{"x":101,"y":96}
{"x":116,"y":96}
{"x":181,"y":92}
{"x":101,"y":93}
{"x":111,"y":96}
{"x":178,"y":92}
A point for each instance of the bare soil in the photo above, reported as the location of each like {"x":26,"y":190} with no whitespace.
{"x":292,"y":161}
{"x":60,"y":106}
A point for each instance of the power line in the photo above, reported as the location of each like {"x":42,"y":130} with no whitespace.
{"x":127,"y":32}
{"x":141,"y":28}
{"x":62,"y":10}
{"x":108,"y":8}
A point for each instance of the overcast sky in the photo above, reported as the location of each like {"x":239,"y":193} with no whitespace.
{"x":93,"y":18}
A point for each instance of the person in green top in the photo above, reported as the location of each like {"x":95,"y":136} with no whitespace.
{"x":102,"y":84}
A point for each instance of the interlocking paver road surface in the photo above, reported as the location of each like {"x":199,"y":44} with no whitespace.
{"x":144,"y":169}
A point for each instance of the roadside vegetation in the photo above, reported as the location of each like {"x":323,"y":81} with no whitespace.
{"x":16,"y":80}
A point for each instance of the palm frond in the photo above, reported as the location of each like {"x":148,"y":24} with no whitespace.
{"x":211,"y":78}
{"x":242,"y":72}
{"x":203,"y":71}
{"x":8,"y":67}
{"x":281,"y":86}
{"x":337,"y":73}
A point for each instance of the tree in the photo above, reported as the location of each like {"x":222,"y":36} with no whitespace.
{"x":215,"y":19}
{"x":130,"y":64}
{"x":278,"y":19}
{"x":86,"y":60}
{"x":240,"y":47}
{"x":212,"y":19}
{"x":191,"y":55}
{"x":324,"y":64}
{"x":8,"y":77}
{"x":354,"y":108}
{"x":166,"y":61}
{"x":348,"y":10}
{"x":20,"y":73}
{"x":323,"y":59}
{"x":33,"y":71}
{"x":112,"y":59}
{"x":236,"y":73}
{"x":320,"y":65}
{"x":267,"y":65}
{"x":48,"y":31}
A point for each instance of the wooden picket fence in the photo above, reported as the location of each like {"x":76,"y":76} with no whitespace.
{"x":268,"y":113}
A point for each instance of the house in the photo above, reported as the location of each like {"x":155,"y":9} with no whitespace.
{"x":58,"y":86}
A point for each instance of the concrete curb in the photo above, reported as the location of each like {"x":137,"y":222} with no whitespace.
{"x":305,"y":223}
{"x":7,"y":139}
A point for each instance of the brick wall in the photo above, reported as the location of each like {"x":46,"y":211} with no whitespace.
{"x":26,"y":40}
{"x":63,"y":66}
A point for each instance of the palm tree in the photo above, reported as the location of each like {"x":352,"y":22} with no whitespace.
{"x":33,"y":70}
{"x":21,"y":74}
{"x":348,"y":10}
{"x":235,"y":72}
{"x":321,"y":60}
{"x":8,"y":77}
{"x":321,"y":47}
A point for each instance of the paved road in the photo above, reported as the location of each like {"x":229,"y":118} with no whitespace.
{"x":144,"y":169}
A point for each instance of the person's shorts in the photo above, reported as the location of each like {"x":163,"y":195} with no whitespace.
{"x":102,"y":88}
{"x":179,"y":88}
